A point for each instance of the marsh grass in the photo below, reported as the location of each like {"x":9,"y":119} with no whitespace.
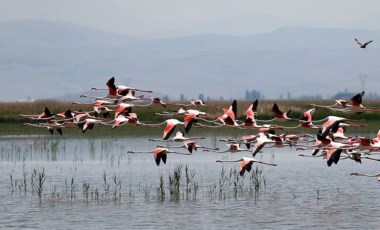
{"x":175,"y":183}
{"x":13,"y":125}
{"x":161,"y":188}
{"x":231,"y":184}
{"x":40,"y":183}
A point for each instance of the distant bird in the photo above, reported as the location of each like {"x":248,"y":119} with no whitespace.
{"x":246,"y":164}
{"x":361,"y":45}
{"x":367,"y":175}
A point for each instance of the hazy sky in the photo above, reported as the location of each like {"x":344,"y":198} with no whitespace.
{"x":177,"y":17}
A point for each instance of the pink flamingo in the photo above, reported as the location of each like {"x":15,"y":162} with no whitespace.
{"x":367,"y":175}
{"x":160,"y":154}
{"x":246,"y":164}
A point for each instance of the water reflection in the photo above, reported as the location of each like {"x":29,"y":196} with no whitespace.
{"x":95,"y":178}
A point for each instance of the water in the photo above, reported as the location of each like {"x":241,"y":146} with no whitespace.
{"x":299,"y":193}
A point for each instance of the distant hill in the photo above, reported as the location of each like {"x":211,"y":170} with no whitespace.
{"x":44,"y":59}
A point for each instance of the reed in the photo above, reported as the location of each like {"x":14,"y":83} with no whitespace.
{"x":12,"y":184}
{"x":24,"y":175}
{"x":72,"y":188}
{"x":161,"y":189}
{"x":175,"y":182}
{"x":86,"y":191}
{"x":191,"y":185}
{"x":40,"y":183}
{"x":117,"y":188}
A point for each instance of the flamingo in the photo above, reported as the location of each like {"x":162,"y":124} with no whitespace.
{"x":307,"y":119}
{"x":160,"y":154}
{"x":88,"y":123}
{"x":179,"y":137}
{"x":170,"y":126}
{"x":232,"y":148}
{"x":339,"y":134}
{"x":114,"y":90}
{"x":50,"y":127}
{"x":356,"y":156}
{"x":250,"y":119}
{"x":261,"y":140}
{"x":191,"y":145}
{"x":343,"y":105}
{"x":278,"y":114}
{"x":197,"y":103}
{"x":367,"y":175}
{"x":192,"y":117}
{"x":363,"y":45}
{"x":246,"y":164}
{"x":334,"y":150}
{"x":229,"y":116}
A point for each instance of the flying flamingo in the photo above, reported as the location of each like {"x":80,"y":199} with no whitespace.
{"x":191,"y":145}
{"x":232,"y":148}
{"x":250,"y":119}
{"x":246,"y":164}
{"x":160,"y":154}
{"x":116,"y":90}
{"x":334,"y":150}
{"x":307,"y":119}
{"x":261,"y":140}
{"x":179,"y":137}
{"x":170,"y":126}
{"x":88,"y":123}
{"x":342,"y":105}
{"x":229,"y":116}
{"x":196,"y":103}
{"x":278,"y":114}
{"x":367,"y":175}
{"x":50,"y":127}
{"x":357,"y":156}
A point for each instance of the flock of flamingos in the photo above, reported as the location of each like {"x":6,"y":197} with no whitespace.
{"x":329,"y":142}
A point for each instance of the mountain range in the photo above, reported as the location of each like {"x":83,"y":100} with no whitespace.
{"x":50,"y":59}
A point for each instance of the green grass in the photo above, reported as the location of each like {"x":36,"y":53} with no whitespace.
{"x":11,"y":124}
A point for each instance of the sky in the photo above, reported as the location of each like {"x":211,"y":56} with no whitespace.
{"x":172,"y":18}
{"x":166,"y":18}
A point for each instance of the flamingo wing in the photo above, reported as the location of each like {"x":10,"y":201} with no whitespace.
{"x":233,"y":108}
{"x":333,"y":156}
{"x":277,"y":112}
{"x":357,"y":100}
{"x":169,"y":129}
{"x":189,"y":120}
{"x":111,"y":86}
{"x":258,"y":148}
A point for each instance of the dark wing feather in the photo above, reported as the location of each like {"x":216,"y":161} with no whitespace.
{"x":234,"y":108}
{"x":358,"y":98}
{"x":276,"y":110}
{"x":255,"y":105}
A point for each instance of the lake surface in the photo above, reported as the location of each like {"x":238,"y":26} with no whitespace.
{"x":123,"y":190}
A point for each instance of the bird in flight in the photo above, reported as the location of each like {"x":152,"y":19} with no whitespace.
{"x":363,"y":45}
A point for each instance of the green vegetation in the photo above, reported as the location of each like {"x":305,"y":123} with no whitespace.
{"x":11,"y":124}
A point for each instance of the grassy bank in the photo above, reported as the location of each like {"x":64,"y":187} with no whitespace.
{"x":11,"y":124}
